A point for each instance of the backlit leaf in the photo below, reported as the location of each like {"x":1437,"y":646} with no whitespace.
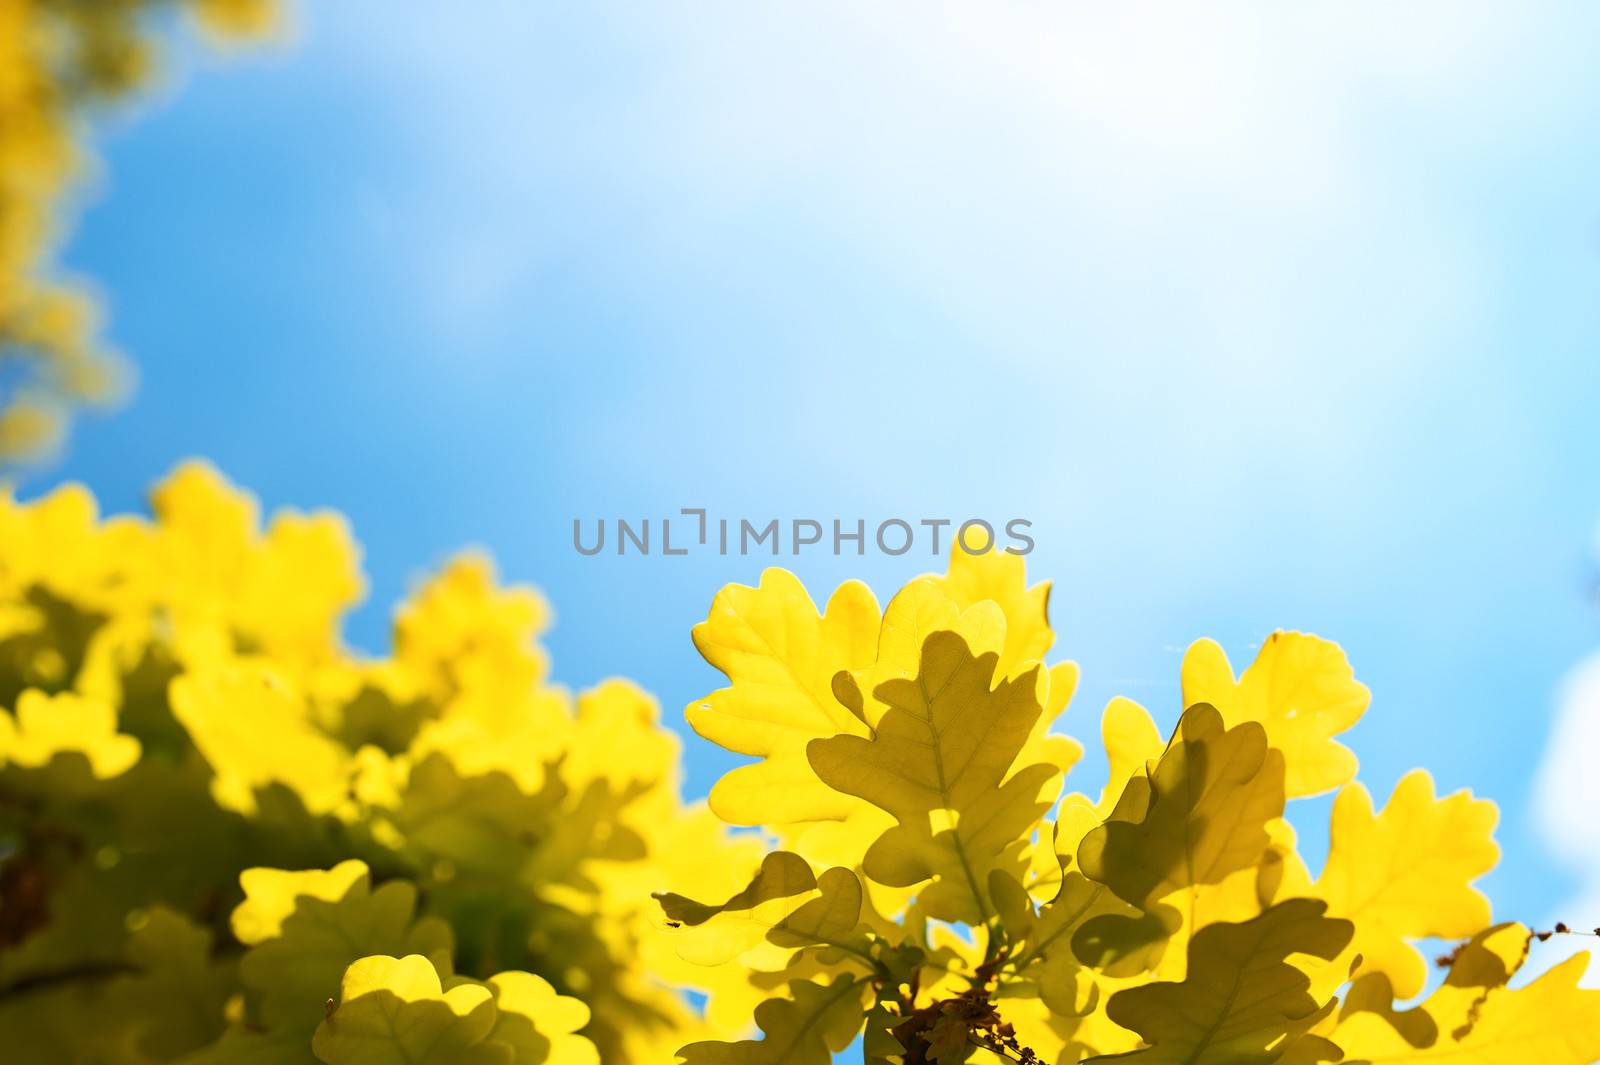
{"x":1407,"y":873}
{"x":1474,"y":1018}
{"x":252,"y":727}
{"x":1300,"y":689}
{"x":1242,"y":1002}
{"x":1197,"y":816}
{"x":780,"y":657}
{"x":306,"y":928}
{"x":936,"y":763}
{"x":47,"y":725}
{"x":816,"y":1021}
{"x":392,"y":1011}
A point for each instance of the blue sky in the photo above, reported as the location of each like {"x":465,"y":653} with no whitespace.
{"x":1264,"y":317}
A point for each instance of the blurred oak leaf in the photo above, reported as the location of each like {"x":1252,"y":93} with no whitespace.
{"x":305,"y":928}
{"x":46,"y":726}
{"x":393,"y":1011}
{"x":62,"y":62}
{"x":539,"y":1024}
{"x":254,"y":731}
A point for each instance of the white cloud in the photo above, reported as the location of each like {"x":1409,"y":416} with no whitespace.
{"x":1567,"y":795}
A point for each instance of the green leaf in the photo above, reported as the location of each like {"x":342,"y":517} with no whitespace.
{"x":485,"y":825}
{"x":1242,"y":1002}
{"x":179,"y":991}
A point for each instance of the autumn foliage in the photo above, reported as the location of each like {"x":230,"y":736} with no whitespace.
{"x":228,"y":838}
{"x":62,"y":63}
{"x":935,"y":893}
{"x":216,"y":820}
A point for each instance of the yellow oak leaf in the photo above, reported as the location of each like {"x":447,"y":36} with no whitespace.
{"x":618,"y":738}
{"x":539,"y":1024}
{"x":1242,"y":1002}
{"x":985,"y":599}
{"x":462,"y":631}
{"x":58,"y":544}
{"x":252,"y":727}
{"x":916,"y":612}
{"x":1407,"y":873}
{"x":517,"y":733}
{"x":1044,"y":956}
{"x":1277,"y":874}
{"x":1186,"y":823}
{"x":713,"y":934}
{"x":304,"y":928}
{"x":1000,"y":577}
{"x":940,"y":762}
{"x":679,"y":847}
{"x":1131,"y":741}
{"x":1302,"y":691}
{"x":782,"y":910}
{"x":921,"y":608}
{"x":271,"y":895}
{"x":832,"y":919}
{"x":807,"y":1028}
{"x":284,"y":590}
{"x":1058,"y":1038}
{"x":393,"y":1011}
{"x":49,"y":725}
{"x":842,"y":842}
{"x":1063,"y":752}
{"x":1475,"y":1018}
{"x":780,"y":657}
